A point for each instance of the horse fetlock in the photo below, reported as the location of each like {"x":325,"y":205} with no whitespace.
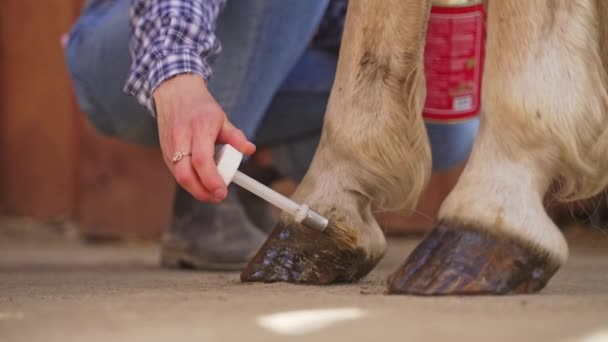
{"x":493,"y":236}
{"x":351,"y":246}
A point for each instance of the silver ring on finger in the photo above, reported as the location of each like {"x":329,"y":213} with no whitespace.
{"x":179,"y":156}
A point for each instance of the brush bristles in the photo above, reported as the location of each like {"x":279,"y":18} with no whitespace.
{"x":344,"y":237}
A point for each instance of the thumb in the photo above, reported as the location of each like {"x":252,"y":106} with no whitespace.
{"x":233,"y":136}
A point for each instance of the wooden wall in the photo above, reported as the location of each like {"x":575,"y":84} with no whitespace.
{"x":38,"y":127}
{"x":52,"y":163}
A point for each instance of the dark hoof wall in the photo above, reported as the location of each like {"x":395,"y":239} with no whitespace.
{"x":296,"y":254}
{"x":456,"y":260}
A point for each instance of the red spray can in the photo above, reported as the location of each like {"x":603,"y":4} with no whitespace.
{"x":453,"y":60}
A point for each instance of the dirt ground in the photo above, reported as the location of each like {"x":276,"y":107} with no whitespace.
{"x":62,"y":290}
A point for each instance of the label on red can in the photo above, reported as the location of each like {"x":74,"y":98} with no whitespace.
{"x":453,"y":61}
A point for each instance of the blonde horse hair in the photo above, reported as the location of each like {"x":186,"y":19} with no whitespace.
{"x":554,"y":87}
{"x":380,"y":84}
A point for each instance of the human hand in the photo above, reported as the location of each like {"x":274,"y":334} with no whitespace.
{"x":191,"y":121}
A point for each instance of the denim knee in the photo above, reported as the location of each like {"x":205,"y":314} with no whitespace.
{"x":451,"y":144}
{"x":98,"y":60}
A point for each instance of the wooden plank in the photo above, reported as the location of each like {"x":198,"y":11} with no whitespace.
{"x":37,"y":116}
{"x":126,"y":190}
{"x":53,"y":163}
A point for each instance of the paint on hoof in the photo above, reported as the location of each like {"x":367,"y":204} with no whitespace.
{"x":460,"y":260}
{"x":296,"y":254}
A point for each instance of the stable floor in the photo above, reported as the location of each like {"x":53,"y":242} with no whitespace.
{"x":63,"y":290}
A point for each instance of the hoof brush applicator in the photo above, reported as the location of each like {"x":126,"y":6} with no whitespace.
{"x":228,"y":160}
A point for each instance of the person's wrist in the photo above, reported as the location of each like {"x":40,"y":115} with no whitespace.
{"x":176,"y":86}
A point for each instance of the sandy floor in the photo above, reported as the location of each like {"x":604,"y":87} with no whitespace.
{"x":64,"y":291}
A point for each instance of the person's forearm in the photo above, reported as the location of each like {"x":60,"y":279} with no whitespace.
{"x":170,"y":37}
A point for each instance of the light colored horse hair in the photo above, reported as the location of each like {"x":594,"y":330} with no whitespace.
{"x":380,"y":84}
{"x":555,"y":89}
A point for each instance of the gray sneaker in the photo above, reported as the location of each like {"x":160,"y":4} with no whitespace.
{"x":209,"y":236}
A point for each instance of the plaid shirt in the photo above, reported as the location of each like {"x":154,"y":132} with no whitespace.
{"x":172,"y":37}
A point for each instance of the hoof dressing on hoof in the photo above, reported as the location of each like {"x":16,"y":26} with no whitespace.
{"x":296,"y":254}
{"x":460,"y":260}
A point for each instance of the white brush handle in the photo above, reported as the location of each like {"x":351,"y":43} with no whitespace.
{"x":294,"y":209}
{"x":228,"y":160}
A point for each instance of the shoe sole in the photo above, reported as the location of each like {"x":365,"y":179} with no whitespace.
{"x":176,"y":258}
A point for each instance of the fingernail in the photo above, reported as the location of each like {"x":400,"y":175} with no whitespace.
{"x":220,"y":194}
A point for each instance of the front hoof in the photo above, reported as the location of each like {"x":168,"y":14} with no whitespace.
{"x":460,"y":260}
{"x":296,"y":254}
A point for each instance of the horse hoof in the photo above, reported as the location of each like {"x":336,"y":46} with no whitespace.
{"x":296,"y":254}
{"x":460,"y":260}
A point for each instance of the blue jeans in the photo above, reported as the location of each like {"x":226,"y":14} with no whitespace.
{"x":270,"y":83}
